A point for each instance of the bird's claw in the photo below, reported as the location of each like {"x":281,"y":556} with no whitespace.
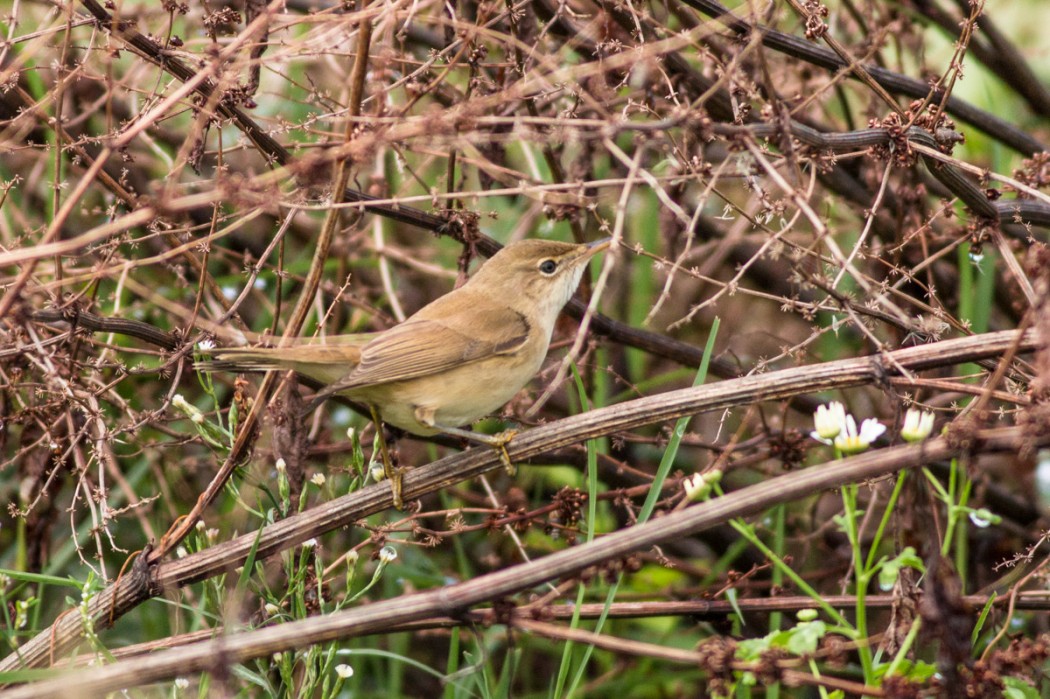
{"x":500,"y":441}
{"x":395,"y":475}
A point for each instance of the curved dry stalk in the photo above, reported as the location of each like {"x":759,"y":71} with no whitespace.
{"x":695,"y":609}
{"x":777,"y":385}
{"x":218,"y":654}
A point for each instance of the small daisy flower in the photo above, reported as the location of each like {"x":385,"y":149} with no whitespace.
{"x":829,"y":421}
{"x":854,"y":441}
{"x":918,"y":424}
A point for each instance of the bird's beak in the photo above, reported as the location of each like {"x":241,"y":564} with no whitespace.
{"x":597,"y":246}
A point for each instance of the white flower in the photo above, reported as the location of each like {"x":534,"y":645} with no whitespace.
{"x":181,"y":683}
{"x":918,"y":424}
{"x":309,"y":543}
{"x":984,"y":517}
{"x":699,"y":486}
{"x":280,"y":465}
{"x":694,"y":486}
{"x":181,"y":552}
{"x":205,"y":345}
{"x":387,"y":554}
{"x":852,"y":441}
{"x":377,"y":472}
{"x":344,"y":671}
{"x":829,"y":422}
{"x":351,"y":557}
{"x":350,"y":432}
{"x":318,"y":479}
{"x":22,"y":613}
{"x":1042,"y":480}
{"x":190,"y":411}
{"x":272,"y":609}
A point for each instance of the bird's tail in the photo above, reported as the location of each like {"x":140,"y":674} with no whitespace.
{"x":325,"y":361}
{"x":252,"y":359}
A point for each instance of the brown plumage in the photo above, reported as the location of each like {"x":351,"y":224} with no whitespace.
{"x":458,"y":358}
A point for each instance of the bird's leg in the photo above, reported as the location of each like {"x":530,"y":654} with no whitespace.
{"x":497,"y":441}
{"x":392,"y":474}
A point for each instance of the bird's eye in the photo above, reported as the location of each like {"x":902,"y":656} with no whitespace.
{"x":548,"y":266}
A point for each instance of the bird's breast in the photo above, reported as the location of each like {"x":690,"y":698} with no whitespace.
{"x":459,"y":396}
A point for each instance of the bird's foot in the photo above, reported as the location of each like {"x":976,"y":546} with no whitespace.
{"x":500,"y":442}
{"x":395,"y":476}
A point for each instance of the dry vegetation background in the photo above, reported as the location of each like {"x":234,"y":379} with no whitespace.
{"x":179,"y":172}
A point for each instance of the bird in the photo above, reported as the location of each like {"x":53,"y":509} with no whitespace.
{"x":457,"y":359}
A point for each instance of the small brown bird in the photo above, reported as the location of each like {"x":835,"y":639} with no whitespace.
{"x":457,"y":359}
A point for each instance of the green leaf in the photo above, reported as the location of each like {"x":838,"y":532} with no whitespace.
{"x":752,"y":648}
{"x":915,"y":671}
{"x":806,"y":637}
{"x":890,"y":570}
{"x":1019,"y":689}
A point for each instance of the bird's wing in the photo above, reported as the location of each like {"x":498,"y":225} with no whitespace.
{"x":428,"y":345}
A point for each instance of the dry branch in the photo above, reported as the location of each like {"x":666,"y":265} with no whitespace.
{"x":216,"y":654}
{"x":729,"y":152}
{"x":125,"y":595}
